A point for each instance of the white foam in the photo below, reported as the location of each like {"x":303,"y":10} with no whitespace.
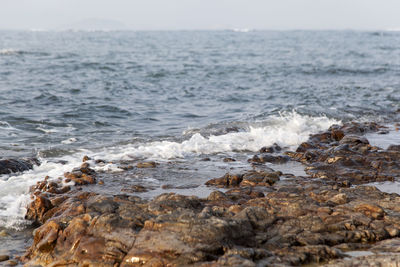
{"x":69,"y":141}
{"x":109,"y":167}
{"x":8,"y":51}
{"x":288,"y":129}
{"x":47,"y":130}
{"x":14,"y":189}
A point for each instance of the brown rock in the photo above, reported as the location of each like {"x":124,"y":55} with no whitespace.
{"x":339,"y":199}
{"x":229,"y":160}
{"x":38,"y":208}
{"x":4,"y":258}
{"x":149,"y":164}
{"x":370,"y":210}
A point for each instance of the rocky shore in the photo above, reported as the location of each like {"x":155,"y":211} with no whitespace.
{"x":258,"y":217}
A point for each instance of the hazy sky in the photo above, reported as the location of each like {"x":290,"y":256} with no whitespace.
{"x":204,"y":14}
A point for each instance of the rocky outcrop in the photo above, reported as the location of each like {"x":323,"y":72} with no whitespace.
{"x":340,"y":155}
{"x":8,"y":166}
{"x":259,"y":221}
{"x":299,"y":223}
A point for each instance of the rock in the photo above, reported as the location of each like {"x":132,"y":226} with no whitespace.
{"x":80,"y":178}
{"x":12,"y":263}
{"x":271,"y":149}
{"x":251,"y":178}
{"x":3,"y":233}
{"x":8,"y":166}
{"x":269,"y":158}
{"x":394,"y":148}
{"x":258,"y":221}
{"x":353,"y":140}
{"x":228,"y":180}
{"x":37,"y":209}
{"x":229,"y":160}
{"x":149,"y":164}
{"x":260,"y":178}
{"x":4,"y":258}
{"x":135,"y":188}
{"x":370,"y":210}
{"x":367,"y":261}
{"x":339,"y":199}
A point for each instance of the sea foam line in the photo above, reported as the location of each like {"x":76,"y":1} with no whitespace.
{"x":286,"y":129}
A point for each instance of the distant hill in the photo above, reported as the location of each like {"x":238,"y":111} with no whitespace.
{"x":95,"y":25}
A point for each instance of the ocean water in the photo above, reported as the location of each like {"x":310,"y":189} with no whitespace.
{"x":179,"y":98}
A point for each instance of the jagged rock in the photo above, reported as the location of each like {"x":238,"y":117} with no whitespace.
{"x":259,"y":221}
{"x":8,"y":166}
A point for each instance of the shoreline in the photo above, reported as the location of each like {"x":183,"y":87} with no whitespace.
{"x":257,"y":216}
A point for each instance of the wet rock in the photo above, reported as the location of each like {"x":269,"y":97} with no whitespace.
{"x":271,"y":149}
{"x":260,"y":178}
{"x":228,"y":180}
{"x":339,"y":199}
{"x":251,"y":178}
{"x":269,"y":158}
{"x":149,"y":164}
{"x":229,"y":160}
{"x":352,"y":159}
{"x":3,"y":233}
{"x":135,"y":188}
{"x":12,"y":263}
{"x":360,"y":128}
{"x":370,"y":210}
{"x":218,"y":196}
{"x":302,"y":221}
{"x":394,"y":148}
{"x":37,"y":209}
{"x":353,"y":140}
{"x":4,"y":258}
{"x":367,"y":261}
{"x":80,"y":178}
{"x":8,"y":166}
{"x":258,"y":221}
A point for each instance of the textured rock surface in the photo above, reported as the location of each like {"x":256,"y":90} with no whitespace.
{"x":17,"y":165}
{"x":259,"y":221}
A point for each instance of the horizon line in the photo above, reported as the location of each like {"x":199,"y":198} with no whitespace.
{"x":234,"y":29}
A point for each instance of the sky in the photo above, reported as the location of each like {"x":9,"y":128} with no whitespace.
{"x":204,"y":14}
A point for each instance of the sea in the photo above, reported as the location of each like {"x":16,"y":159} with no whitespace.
{"x":184,"y":99}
